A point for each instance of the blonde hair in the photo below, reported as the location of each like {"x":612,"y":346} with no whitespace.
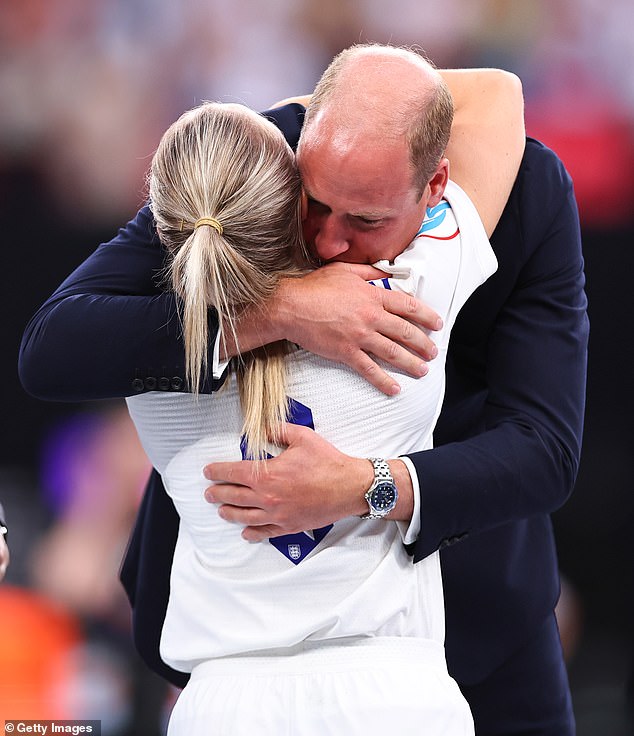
{"x":424,"y":119}
{"x":231,"y":166}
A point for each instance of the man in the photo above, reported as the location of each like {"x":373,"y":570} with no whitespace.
{"x":519,"y":461}
{"x":508,"y":438}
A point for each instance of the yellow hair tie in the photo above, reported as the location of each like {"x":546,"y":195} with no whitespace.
{"x":211,"y":221}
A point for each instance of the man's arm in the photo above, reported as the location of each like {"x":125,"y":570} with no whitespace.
{"x":487,"y":137}
{"x":110,"y":330}
{"x":523,"y":456}
{"x":358,"y":325}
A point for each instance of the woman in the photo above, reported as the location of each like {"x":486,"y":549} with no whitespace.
{"x":334,"y":629}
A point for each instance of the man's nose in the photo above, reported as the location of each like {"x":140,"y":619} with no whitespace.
{"x":330,"y":240}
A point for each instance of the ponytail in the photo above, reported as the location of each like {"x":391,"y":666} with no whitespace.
{"x":224,"y":167}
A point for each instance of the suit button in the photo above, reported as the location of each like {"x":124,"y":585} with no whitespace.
{"x":138,"y":385}
{"x":150,"y":383}
{"x":177,"y":383}
{"x":164,"y":383}
{"x":452,"y":540}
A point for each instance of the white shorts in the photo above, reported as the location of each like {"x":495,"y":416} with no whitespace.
{"x":361,"y":686}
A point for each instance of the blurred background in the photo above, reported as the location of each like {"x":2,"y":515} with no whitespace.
{"x":87,"y":89}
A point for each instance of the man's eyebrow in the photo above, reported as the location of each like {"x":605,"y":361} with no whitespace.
{"x":370,"y":215}
{"x":312,"y":199}
{"x":360,"y":214}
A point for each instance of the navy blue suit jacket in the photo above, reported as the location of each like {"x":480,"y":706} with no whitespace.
{"x":507,"y":442}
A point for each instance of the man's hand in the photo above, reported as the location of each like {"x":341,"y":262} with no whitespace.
{"x":309,"y":485}
{"x":334,"y":313}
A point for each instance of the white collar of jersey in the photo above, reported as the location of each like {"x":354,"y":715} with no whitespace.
{"x":396,"y":270}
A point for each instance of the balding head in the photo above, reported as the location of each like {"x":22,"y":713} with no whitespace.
{"x":371,"y":94}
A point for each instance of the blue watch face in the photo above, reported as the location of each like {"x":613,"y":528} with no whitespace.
{"x":384,"y":496}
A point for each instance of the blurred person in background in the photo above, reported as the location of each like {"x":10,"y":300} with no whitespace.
{"x":509,"y":435}
{"x":92,"y":473}
{"x":4,"y":547}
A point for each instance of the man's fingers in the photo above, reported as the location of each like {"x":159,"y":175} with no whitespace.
{"x":398,"y":357}
{"x":245,"y":516}
{"x":368,"y":369}
{"x":240,"y":473}
{"x":396,"y":302}
{"x":232,"y":494}
{"x":401,"y":334}
{"x":411,"y":309}
{"x":363,"y":271}
{"x":290,"y":433}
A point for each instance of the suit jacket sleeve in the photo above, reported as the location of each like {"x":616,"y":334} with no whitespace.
{"x":520,"y":454}
{"x":111,"y":329}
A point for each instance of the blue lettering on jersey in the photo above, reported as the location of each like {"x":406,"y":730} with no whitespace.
{"x":434,"y":217}
{"x":385,"y":281}
{"x":295,"y":546}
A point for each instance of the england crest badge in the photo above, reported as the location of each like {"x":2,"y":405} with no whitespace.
{"x":294,"y":551}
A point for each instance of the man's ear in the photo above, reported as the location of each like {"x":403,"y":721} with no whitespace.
{"x":438,"y":182}
{"x":303,"y":204}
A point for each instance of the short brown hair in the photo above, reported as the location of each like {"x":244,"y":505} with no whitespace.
{"x":425,"y":121}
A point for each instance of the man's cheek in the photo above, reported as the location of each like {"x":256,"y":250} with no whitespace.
{"x":310,"y":230}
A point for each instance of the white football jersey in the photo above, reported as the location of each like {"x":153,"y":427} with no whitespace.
{"x":353,"y":578}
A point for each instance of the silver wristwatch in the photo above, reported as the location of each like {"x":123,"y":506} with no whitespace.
{"x":382,"y":494}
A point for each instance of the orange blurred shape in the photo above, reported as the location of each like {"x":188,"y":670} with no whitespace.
{"x":37,"y":638}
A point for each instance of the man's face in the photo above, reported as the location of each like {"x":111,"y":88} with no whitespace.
{"x":362,"y":204}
